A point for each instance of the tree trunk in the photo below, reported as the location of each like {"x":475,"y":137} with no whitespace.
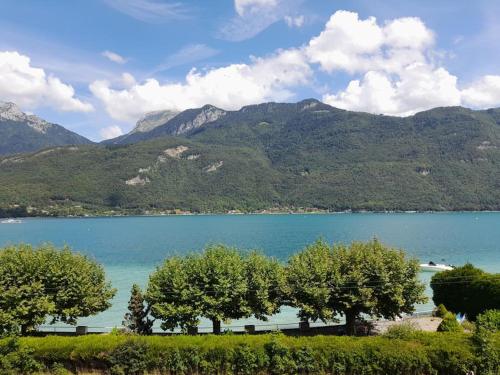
{"x":350,"y":322}
{"x":24,"y":329}
{"x":216,"y":326}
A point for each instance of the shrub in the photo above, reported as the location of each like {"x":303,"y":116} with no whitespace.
{"x":487,"y":343}
{"x":405,"y":330}
{"x":246,"y":361}
{"x":440,"y":311}
{"x":450,"y":324}
{"x":129,"y":358}
{"x":489,"y":320}
{"x":15,"y":359}
{"x":466,"y":290}
{"x":280,"y":358}
{"x":425,"y":353}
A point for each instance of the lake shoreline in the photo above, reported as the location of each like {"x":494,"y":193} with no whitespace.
{"x":263,"y":212}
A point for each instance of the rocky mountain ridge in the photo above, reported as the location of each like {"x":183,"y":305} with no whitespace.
{"x":22,"y":132}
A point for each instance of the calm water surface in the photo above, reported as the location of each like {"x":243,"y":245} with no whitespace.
{"x":131,"y":247}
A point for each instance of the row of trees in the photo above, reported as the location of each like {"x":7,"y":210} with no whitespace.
{"x":322,"y":281}
{"x":222,"y":283}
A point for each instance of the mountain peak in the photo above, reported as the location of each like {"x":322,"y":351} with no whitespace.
{"x":152,"y":120}
{"x":11,"y":112}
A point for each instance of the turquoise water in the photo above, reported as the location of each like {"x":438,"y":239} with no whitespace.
{"x":131,"y":247}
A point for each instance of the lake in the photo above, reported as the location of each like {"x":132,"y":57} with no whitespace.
{"x":131,"y":247}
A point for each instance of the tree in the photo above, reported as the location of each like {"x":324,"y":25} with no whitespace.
{"x":137,"y":319}
{"x":219,"y":284}
{"x":266,"y":285}
{"x":466,"y":289}
{"x":375,"y":280}
{"x":363,"y":278}
{"x":37,"y":283}
{"x":310,"y":274}
{"x":172,"y":297}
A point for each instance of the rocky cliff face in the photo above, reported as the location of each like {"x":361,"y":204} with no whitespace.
{"x":152,"y":120}
{"x":207,"y":114}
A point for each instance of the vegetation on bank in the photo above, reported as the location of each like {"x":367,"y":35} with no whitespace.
{"x":420,"y":353}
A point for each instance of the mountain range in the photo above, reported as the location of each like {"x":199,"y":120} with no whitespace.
{"x":270,"y":156}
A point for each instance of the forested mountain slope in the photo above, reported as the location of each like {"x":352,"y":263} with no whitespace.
{"x":272,"y":155}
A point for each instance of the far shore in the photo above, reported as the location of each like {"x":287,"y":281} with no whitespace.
{"x":263,"y":212}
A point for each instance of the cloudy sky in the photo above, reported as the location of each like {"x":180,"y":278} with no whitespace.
{"x":95,"y":66}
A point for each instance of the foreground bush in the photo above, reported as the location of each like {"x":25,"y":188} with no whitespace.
{"x":486,"y":339}
{"x":422,"y":353}
{"x":450,"y":324}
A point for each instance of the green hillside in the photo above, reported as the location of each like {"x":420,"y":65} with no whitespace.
{"x":284,"y":156}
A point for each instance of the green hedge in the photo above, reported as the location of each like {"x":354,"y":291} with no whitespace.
{"x":424,"y":353}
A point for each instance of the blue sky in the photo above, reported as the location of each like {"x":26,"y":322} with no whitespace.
{"x":96,"y":66}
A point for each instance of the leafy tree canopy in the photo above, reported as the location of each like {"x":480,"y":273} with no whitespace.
{"x":466,"y":289}
{"x":362,"y":278}
{"x":219,"y":284}
{"x":43,"y":282}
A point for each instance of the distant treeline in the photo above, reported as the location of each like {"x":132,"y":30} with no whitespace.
{"x":20,"y":211}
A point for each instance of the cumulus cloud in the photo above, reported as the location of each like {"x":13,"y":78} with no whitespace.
{"x":113,"y":56}
{"x":31,"y":87}
{"x":418,"y":88}
{"x":229,"y":87}
{"x":483,"y":93}
{"x":109,"y":132}
{"x":394,"y":61}
{"x":353,"y":45}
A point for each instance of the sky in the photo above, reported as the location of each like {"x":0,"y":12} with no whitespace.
{"x":97,"y":66}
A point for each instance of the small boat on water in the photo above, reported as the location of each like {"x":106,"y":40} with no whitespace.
{"x":435,"y":267}
{"x":11,"y":221}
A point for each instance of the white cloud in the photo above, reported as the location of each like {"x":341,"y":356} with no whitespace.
{"x":230,"y":87}
{"x":109,"y":132}
{"x":127,"y":80}
{"x":254,"y":16}
{"x":353,"y":45}
{"x":113,"y":56}
{"x":188,"y":54}
{"x":244,"y":7}
{"x":294,"y":21}
{"x":483,"y":93}
{"x":150,"y":10}
{"x":394,"y":61}
{"x":31,"y":87}
{"x":418,"y":88}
